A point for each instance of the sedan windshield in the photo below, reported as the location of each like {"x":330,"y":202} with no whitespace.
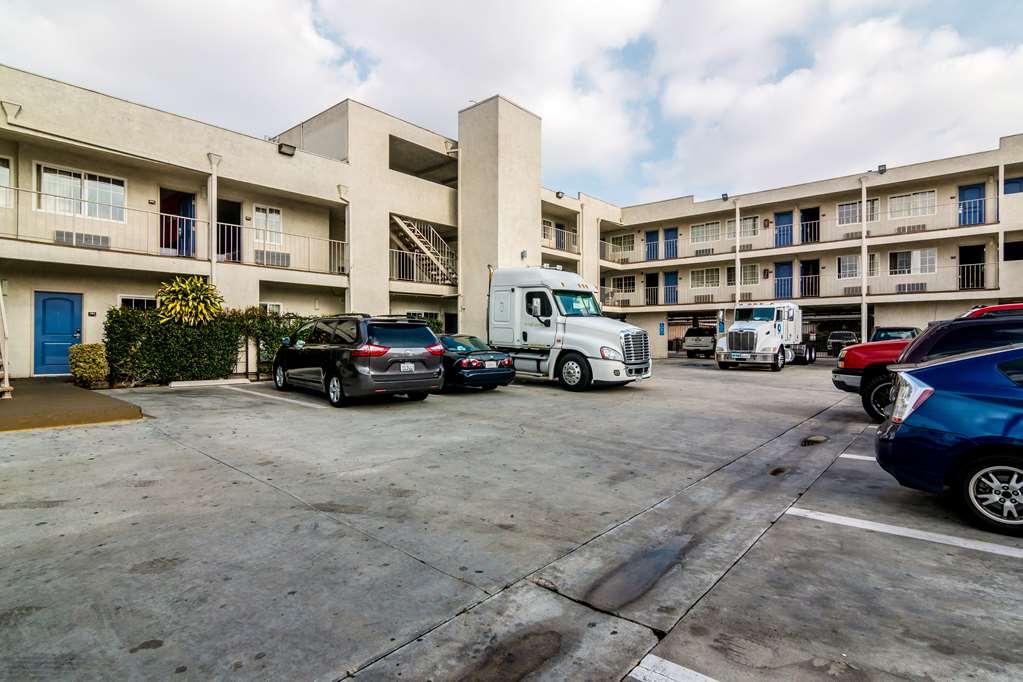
{"x":577,"y":304}
{"x":754,"y":314}
{"x":462,"y":344}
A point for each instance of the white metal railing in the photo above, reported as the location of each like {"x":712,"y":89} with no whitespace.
{"x":270,"y":248}
{"x":651,"y":296}
{"x":421,"y":237}
{"x":809,"y":286}
{"x":559,"y":239}
{"x":411,"y":266}
{"x":36,"y":216}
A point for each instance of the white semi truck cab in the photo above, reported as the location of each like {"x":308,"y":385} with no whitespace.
{"x":768,"y":334}
{"x":551,"y":324}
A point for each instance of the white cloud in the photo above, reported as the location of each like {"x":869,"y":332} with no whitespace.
{"x":875,"y":91}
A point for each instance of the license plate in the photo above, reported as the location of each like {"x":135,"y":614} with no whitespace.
{"x":490,"y":364}
{"x":740,"y":356}
{"x":408,"y":367}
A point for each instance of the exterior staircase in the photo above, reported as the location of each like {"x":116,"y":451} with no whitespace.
{"x":6,"y":392}
{"x":420,"y":237}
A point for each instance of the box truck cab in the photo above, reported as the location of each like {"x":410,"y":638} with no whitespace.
{"x":549,"y":321}
{"x":768,"y":334}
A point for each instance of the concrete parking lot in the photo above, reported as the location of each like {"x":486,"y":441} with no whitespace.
{"x":684,"y":526}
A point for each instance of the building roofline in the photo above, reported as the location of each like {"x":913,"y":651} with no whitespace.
{"x":133,"y":102}
{"x":502,"y":97}
{"x":372,"y":108}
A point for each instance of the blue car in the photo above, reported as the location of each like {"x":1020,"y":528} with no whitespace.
{"x":957,"y":426}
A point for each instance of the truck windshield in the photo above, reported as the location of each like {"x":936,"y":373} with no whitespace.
{"x":754,"y":314}
{"x":577,"y":304}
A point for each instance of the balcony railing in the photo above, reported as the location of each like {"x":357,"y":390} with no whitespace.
{"x":943,"y":279}
{"x":410,"y":266}
{"x":257,"y":246}
{"x":68,"y":221}
{"x":557,"y":238}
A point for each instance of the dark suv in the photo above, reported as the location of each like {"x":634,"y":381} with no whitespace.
{"x":357,"y":355}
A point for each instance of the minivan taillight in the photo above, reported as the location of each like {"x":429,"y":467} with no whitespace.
{"x":369,"y":350}
{"x":436,"y":349}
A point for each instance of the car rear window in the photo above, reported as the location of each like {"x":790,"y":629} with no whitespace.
{"x":699,"y":331}
{"x":401,"y":335}
{"x":977,"y":337}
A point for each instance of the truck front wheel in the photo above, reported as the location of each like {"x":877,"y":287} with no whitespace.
{"x":779,"y":361}
{"x":574,"y":372}
{"x":876,"y":393}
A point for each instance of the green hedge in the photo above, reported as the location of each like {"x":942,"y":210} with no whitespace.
{"x":142,"y":350}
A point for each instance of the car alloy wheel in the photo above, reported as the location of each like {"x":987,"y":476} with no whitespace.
{"x":571,"y":372}
{"x":997,"y":493}
{"x":279,"y":376}
{"x":334,"y":390}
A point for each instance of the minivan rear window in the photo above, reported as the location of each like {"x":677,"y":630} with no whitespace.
{"x":401,"y":335}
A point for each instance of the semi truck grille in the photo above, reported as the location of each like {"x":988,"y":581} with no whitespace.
{"x":745,"y":340}
{"x":636,"y":346}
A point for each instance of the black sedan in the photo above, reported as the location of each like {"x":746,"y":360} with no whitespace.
{"x":469,"y":361}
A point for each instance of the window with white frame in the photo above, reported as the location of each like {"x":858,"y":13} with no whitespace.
{"x":272,"y":308}
{"x":75,"y":192}
{"x":624,"y":242}
{"x":269,"y":225}
{"x":625,"y":284}
{"x":913,"y":204}
{"x":849,"y":212}
{"x":915,"y":262}
{"x":750,"y":227}
{"x":138,"y":302}
{"x":750,"y":274}
{"x":707,"y":278}
{"x":705,"y":232}
{"x":849,"y":266}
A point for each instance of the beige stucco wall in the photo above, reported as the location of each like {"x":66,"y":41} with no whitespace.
{"x":920,"y":313}
{"x":651,"y":322}
{"x":303,"y":300}
{"x":498,"y":202}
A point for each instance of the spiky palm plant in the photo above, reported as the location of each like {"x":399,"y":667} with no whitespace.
{"x":190,"y":301}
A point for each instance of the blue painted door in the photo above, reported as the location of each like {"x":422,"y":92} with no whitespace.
{"x":671,"y":242}
{"x":783,"y":280}
{"x":783,"y":229}
{"x":651,"y":244}
{"x":670,"y":288}
{"x":971,"y":204}
{"x":58,"y":325}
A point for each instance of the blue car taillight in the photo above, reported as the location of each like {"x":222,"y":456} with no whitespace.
{"x":910,"y":395}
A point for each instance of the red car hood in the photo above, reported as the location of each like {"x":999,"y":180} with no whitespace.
{"x":862,"y":354}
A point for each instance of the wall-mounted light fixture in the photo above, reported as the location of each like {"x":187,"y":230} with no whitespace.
{"x":285,"y":148}
{"x":559,"y":194}
{"x":724,"y":196}
{"x":523,"y":254}
{"x":882,"y":169}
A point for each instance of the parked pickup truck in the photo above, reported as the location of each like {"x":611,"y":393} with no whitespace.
{"x":863,"y":368}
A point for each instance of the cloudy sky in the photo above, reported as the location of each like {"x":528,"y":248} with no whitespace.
{"x":640,"y":100}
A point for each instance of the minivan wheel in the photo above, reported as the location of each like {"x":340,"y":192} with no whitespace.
{"x":280,"y":379}
{"x":876,"y":395}
{"x":418,"y":395}
{"x":574,"y":373}
{"x":991,"y":492}
{"x":335,"y":392}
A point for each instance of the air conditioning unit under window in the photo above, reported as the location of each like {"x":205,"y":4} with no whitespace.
{"x":705,"y":252}
{"x":909,"y":229}
{"x":910,"y":287}
{"x":275,"y":259}
{"x":88,"y":241}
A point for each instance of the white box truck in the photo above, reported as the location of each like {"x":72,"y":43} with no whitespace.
{"x":768,"y":334}
{"x":551,"y":324}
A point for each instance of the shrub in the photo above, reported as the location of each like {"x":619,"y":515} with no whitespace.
{"x":143,"y":348}
{"x":267,"y":329}
{"x":190,"y":301}
{"x":88,"y":363}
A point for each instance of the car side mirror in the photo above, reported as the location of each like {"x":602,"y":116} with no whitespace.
{"x":285,"y":340}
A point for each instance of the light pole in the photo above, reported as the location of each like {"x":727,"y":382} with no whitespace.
{"x":864,"y":258}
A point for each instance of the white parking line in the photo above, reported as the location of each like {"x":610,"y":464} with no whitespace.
{"x":656,"y":669}
{"x":941,"y":538}
{"x":276,"y":397}
{"x":865,"y":458}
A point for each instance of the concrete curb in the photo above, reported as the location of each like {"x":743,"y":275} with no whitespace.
{"x":208,"y":382}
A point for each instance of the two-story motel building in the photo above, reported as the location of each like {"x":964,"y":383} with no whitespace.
{"x":357,"y":210}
